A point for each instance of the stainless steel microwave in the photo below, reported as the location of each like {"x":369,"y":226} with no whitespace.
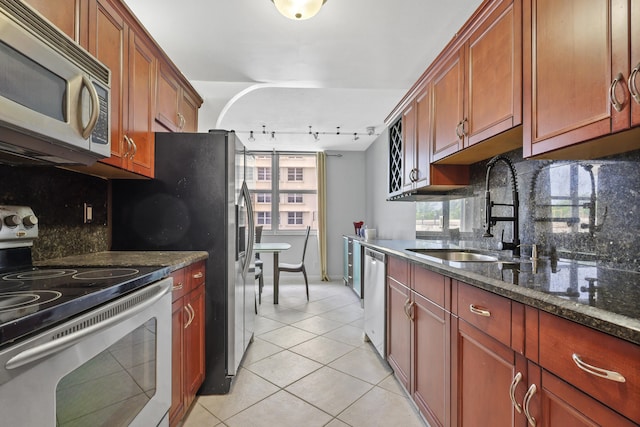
{"x":54,"y":96}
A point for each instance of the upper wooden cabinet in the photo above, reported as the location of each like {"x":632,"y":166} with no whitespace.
{"x":478,"y":88}
{"x":64,"y":14}
{"x":176,"y":106}
{"x":114,"y":42}
{"x":578,"y":72}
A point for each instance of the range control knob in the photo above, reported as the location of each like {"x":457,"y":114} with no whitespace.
{"x":12,"y":220}
{"x":30,"y":220}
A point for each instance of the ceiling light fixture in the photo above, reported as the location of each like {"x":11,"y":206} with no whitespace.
{"x":299,"y":10}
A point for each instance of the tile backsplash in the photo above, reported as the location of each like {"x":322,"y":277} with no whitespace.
{"x":588,"y":209}
{"x":57,"y":197}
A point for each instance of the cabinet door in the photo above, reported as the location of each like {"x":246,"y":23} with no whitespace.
{"x":423,"y":137}
{"x":494,"y":75}
{"x":556,"y":403}
{"x":408,"y":147}
{"x":448,"y":107}
{"x":189,"y":111}
{"x":167,"y":99}
{"x":177,"y":362}
{"x":485,"y":371}
{"x":109,"y":44}
{"x":194,"y":343}
{"x":431,"y":360}
{"x":567,"y":73}
{"x":142,"y":70}
{"x":64,"y":14}
{"x":398,"y":331}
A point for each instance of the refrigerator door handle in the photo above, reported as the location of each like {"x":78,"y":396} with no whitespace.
{"x":246,"y":196}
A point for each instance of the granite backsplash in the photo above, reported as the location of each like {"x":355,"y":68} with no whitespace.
{"x":576,"y":209}
{"x":57,"y":198}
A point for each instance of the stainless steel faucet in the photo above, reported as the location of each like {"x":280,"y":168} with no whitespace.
{"x":491,"y":220}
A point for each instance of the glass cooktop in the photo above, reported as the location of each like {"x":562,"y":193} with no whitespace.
{"x":33,"y":299}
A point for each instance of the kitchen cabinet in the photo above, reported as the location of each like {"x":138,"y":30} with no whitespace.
{"x":188,"y":338}
{"x":66,"y":15}
{"x":113,"y":41}
{"x":176,"y":107}
{"x":488,"y":357}
{"x":418,"y":172}
{"x":477,"y":88}
{"x":419,"y":338}
{"x":568,"y":118}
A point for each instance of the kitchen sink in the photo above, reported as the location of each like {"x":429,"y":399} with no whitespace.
{"x":457,"y":255}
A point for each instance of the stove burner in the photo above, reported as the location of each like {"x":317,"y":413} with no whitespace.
{"x":10,"y":301}
{"x":39,"y":274}
{"x":107,"y":273}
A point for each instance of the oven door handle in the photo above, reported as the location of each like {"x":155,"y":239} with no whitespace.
{"x":52,"y":347}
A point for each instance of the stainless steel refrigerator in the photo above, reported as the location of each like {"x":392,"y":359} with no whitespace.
{"x":199,"y":201}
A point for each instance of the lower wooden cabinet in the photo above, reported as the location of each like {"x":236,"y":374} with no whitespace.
{"x":418,"y":348}
{"x":187,"y":370}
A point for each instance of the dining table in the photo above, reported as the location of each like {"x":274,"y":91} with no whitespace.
{"x":275,"y":248}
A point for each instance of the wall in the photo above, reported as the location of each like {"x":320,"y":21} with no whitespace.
{"x":57,"y":197}
{"x":392,"y":220}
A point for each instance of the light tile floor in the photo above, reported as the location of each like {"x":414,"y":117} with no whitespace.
{"x":309,"y":366}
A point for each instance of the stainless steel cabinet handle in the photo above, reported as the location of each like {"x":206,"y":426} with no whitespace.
{"x":464,"y":127}
{"x":598,"y":372}
{"x":135,"y":147}
{"x":459,"y":131}
{"x":406,"y":307}
{"x":612,"y":93}
{"x":198,"y":275}
{"x":633,"y":89}
{"x":479,"y":311}
{"x":191,"y":313}
{"x":177,"y":287}
{"x":128,"y":150}
{"x":512,"y":391}
{"x":526,"y":401}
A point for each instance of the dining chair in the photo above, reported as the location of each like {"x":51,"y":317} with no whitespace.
{"x":299,"y":267}
{"x":259,"y":265}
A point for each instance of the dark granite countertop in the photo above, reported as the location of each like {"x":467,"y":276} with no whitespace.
{"x":591,"y":293}
{"x":174,"y":260}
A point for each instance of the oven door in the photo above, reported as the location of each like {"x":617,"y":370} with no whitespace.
{"x":108,"y":367}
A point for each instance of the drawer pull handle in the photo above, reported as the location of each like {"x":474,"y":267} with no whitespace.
{"x":526,"y":401}
{"x":599,"y":372}
{"x":406,"y":307}
{"x":177,"y":287}
{"x":632,"y":84}
{"x":512,"y":391}
{"x":198,"y":275}
{"x":479,"y":311}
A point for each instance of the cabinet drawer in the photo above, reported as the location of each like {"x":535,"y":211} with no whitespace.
{"x":398,"y":269}
{"x":430,"y":285}
{"x":568,"y":349}
{"x":179,"y":283}
{"x":196,"y":275}
{"x":488,"y":312}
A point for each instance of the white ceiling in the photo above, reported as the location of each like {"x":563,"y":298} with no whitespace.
{"x":346,"y":67}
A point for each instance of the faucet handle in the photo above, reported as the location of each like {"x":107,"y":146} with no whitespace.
{"x":534,"y":250}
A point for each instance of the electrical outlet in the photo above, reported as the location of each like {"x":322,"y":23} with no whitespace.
{"x":88,"y":213}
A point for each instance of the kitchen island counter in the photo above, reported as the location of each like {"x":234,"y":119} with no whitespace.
{"x":589,"y":292}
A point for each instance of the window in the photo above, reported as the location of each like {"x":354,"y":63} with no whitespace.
{"x":294,"y":218}
{"x":444,"y":218}
{"x":263,"y":198}
{"x":263,"y":218}
{"x":294,"y":174}
{"x":294,"y":198}
{"x":264,"y":173}
{"x":285,"y":191}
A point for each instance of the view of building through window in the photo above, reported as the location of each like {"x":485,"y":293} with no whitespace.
{"x":441,"y":216}
{"x":284,"y":192}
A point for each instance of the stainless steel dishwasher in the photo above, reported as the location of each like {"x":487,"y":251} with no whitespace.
{"x":375,"y":298}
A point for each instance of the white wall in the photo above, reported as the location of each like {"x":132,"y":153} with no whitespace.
{"x":393,"y":220}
